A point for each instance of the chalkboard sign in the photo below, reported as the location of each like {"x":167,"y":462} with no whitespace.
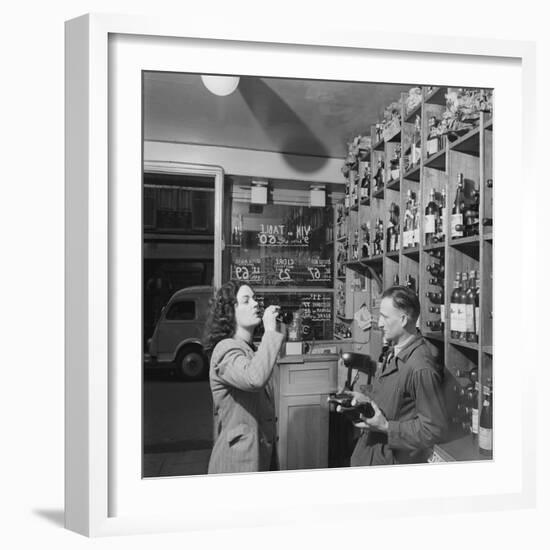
{"x":281,"y":246}
{"x":316,"y":311}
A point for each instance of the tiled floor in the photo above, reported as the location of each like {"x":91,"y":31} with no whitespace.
{"x":193,"y":462}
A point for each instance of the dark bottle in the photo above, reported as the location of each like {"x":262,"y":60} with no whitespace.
{"x":437,"y":270}
{"x":436,"y":281}
{"x":455,"y":308}
{"x":470,"y":309}
{"x":462,"y":307}
{"x":490,"y":183}
{"x":434,"y":297}
{"x":435,"y":326}
{"x":410,"y":282}
{"x":487,"y":222}
{"x":434,"y":309}
{"x":486,"y":426}
{"x":431,"y":219}
{"x":458,"y":208}
{"x":396,"y":280}
{"x":472,"y":397}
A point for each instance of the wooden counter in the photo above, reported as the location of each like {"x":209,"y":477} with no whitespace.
{"x":302,"y":384}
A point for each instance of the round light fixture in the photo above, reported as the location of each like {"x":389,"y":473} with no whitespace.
{"x":220,"y":85}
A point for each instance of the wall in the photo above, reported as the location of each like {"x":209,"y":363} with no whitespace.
{"x":246,"y":162}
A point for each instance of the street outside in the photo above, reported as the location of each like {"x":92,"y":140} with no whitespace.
{"x":177,"y":426}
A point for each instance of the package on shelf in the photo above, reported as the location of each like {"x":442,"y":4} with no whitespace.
{"x":392,"y":120}
{"x":463,"y":109}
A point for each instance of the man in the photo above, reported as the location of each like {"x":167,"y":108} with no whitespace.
{"x":409,"y":411}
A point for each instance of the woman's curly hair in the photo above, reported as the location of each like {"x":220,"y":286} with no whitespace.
{"x":221,"y":318}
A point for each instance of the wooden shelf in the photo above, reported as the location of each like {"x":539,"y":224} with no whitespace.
{"x":434,"y":336}
{"x":378,"y":194}
{"x":489,"y":124}
{"x":413,"y":174}
{"x":468,"y":143}
{"x":435,"y":246}
{"x":488,"y":237}
{"x":344,"y":318}
{"x":379,"y":146}
{"x":488,"y":350}
{"x":394,"y":185}
{"x":395,"y":138}
{"x":467,"y":245}
{"x":354,"y":208}
{"x":437,"y":161}
{"x":342,"y":239}
{"x":463,"y":344}
{"x":411,"y":116}
{"x":342,"y":338}
{"x":365,"y":201}
{"x":393,"y":255}
{"x":413,"y":252}
{"x":437,"y":97}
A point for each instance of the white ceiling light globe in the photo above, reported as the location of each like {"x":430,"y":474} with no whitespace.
{"x":220,"y":85}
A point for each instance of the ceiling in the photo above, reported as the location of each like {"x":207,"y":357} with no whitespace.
{"x":303,"y":117}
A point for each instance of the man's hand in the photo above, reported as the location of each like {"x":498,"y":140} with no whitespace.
{"x":378,"y":422}
{"x":358,"y":397}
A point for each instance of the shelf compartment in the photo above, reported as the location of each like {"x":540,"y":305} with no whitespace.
{"x":488,"y":236}
{"x":464,"y":344}
{"x":393,"y":255}
{"x":468,"y":143}
{"x":365,"y":201}
{"x":434,"y":336}
{"x":437,"y":97}
{"x":435,"y":246}
{"x":378,"y":194}
{"x":488,"y":350}
{"x":489,"y":124}
{"x":396,"y":137}
{"x":342,"y":338}
{"x":413,"y":174}
{"x":467,"y":245}
{"x":437,"y":161}
{"x":379,"y":145}
{"x":344,"y":318}
{"x":413,"y":252}
{"x":394,"y":185}
{"x":411,"y":117}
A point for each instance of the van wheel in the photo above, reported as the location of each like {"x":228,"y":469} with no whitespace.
{"x":191,"y":364}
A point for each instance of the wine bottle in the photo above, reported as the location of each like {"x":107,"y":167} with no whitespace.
{"x":436,"y":281}
{"x":455,"y":306}
{"x":469,"y":309}
{"x":458,"y":208}
{"x":431,"y":219}
{"x":476,"y":311}
{"x":487,"y":222}
{"x":434,"y":309}
{"x":434,"y":326}
{"x":407,"y":222}
{"x":396,"y":280}
{"x":486,"y":426}
{"x":410,"y":282}
{"x":434,"y":297}
{"x":442,"y":230}
{"x":472,"y":396}
{"x":462,"y":307}
{"x":437,"y":270}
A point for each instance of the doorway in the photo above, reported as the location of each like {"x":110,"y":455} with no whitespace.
{"x":180,"y":252}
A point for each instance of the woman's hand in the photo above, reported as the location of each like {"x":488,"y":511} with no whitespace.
{"x":270,"y":317}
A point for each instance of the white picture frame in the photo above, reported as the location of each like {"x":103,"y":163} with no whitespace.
{"x":105,"y":53}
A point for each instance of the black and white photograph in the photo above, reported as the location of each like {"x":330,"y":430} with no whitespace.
{"x":317,"y":274}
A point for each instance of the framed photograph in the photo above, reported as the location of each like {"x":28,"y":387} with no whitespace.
{"x":170,"y":192}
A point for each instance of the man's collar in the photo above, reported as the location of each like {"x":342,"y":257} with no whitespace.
{"x":404,"y":351}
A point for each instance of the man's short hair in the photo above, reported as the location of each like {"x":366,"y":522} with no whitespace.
{"x":404,"y":299}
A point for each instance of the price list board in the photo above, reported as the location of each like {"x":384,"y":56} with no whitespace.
{"x":283,"y":246}
{"x":315,"y":307}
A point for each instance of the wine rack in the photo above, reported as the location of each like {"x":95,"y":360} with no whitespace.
{"x":419,"y":158}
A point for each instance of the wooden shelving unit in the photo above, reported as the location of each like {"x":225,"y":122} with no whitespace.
{"x":468,"y":152}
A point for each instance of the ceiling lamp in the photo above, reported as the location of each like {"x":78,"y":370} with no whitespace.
{"x":220,"y":85}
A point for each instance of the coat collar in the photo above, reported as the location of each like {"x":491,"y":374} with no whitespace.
{"x":403,"y":354}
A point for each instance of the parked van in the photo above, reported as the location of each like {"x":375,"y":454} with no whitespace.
{"x":176,"y":341}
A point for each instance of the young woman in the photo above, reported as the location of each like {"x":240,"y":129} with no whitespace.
{"x":240,"y":380}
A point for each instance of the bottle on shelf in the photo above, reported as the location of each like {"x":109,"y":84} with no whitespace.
{"x":379,"y":176}
{"x":410,"y":282}
{"x":435,"y":297}
{"x":436,"y":270}
{"x":365,"y":247}
{"x":435,"y":326}
{"x":416,"y":222}
{"x":476,"y":311}
{"x":456,"y":321}
{"x":486,"y":425}
{"x":441,"y":230}
{"x":396,"y":279}
{"x":472,"y":396}
{"x":434,"y":309}
{"x":487,"y":222}
{"x":471,"y":214}
{"x":470,"y":309}
{"x":431,"y":219}
{"x":408,"y":222}
{"x":462,"y":311}
{"x":347,"y":196}
{"x":436,"y":281}
{"x":458,"y":209}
